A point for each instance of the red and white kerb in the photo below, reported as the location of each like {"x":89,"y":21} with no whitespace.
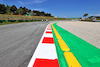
{"x":45,"y":54}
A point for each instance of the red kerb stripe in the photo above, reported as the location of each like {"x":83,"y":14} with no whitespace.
{"x":48,"y":28}
{"x":46,"y":63}
{"x":48,"y":31}
{"x":48,"y":40}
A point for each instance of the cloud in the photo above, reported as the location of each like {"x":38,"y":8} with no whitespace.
{"x":32,"y":2}
{"x":39,"y":1}
{"x":37,"y":9}
{"x":20,"y":2}
{"x":94,"y":15}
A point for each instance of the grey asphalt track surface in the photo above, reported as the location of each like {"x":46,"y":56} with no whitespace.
{"x":18,"y":42}
{"x":88,"y":31}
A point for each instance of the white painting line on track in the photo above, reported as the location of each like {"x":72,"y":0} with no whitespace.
{"x":49,"y":30}
{"x":46,"y":51}
{"x":48,"y":35}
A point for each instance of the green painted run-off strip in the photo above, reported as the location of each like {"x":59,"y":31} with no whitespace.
{"x":86,"y":54}
{"x":61,"y":58}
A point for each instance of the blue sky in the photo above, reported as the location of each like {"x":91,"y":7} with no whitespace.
{"x":60,"y":8}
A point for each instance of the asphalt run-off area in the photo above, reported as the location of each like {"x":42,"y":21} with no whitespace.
{"x":50,"y":44}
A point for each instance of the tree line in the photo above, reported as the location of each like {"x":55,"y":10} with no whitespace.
{"x":21,"y":11}
{"x":90,"y":17}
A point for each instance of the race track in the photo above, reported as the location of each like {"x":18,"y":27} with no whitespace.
{"x":18,"y":43}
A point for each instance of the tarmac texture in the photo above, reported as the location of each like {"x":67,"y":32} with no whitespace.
{"x":18,"y":42}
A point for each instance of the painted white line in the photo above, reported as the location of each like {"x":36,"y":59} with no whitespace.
{"x":49,"y":30}
{"x":48,"y":35}
{"x":46,"y":51}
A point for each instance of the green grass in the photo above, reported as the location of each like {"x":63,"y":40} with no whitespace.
{"x":4,"y":23}
{"x":97,"y":19}
{"x":22,"y":17}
